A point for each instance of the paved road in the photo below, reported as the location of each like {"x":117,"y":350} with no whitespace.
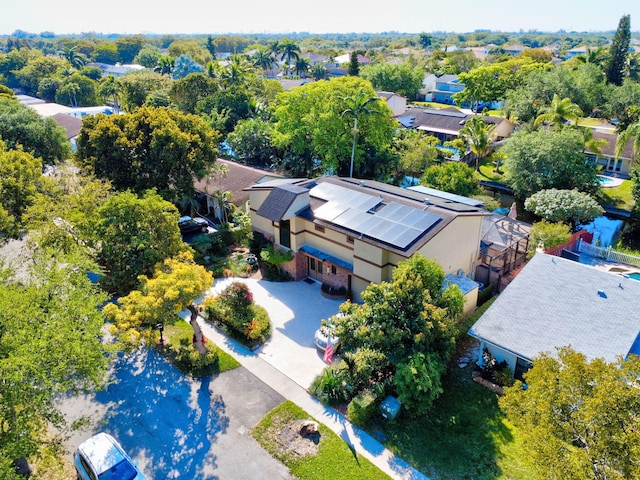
{"x":176,"y":427}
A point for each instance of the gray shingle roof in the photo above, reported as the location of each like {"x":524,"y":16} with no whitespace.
{"x":279,"y":200}
{"x":554,"y":302}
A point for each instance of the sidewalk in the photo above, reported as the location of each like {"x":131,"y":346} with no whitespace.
{"x":361,"y":441}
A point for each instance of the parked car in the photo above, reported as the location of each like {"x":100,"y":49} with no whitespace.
{"x":102,"y":457}
{"x":325,"y":334}
{"x":193,"y":224}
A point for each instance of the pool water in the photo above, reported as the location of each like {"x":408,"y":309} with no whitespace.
{"x":635,"y":276}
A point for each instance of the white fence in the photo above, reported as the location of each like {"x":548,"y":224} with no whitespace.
{"x":608,"y":254}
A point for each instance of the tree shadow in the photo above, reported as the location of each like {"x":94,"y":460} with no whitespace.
{"x":164,"y":420}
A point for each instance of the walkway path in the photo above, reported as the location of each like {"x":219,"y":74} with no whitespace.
{"x":363,"y":443}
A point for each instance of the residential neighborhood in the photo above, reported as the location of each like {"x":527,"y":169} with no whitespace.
{"x":395,"y":255}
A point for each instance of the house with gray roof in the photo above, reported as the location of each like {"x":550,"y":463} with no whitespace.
{"x":554,"y":302}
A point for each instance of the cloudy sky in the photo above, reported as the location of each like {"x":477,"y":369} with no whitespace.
{"x":326,"y":16}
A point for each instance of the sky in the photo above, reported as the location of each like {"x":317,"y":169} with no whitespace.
{"x":325,"y":16}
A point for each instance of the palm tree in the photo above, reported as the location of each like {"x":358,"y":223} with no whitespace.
{"x":76,"y":59}
{"x":633,"y":66}
{"x":290,"y":51}
{"x":302,"y":67}
{"x":631,"y":132}
{"x":236,"y":71}
{"x":263,"y":59}
{"x":477,"y":135}
{"x":357,"y":105}
{"x":165,"y":65}
{"x":596,"y":56}
{"x":110,"y":88}
{"x":559,"y":112}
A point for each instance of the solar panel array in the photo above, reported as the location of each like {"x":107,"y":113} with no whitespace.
{"x":393,"y":223}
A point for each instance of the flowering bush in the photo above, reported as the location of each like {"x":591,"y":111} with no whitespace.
{"x":236,"y":296}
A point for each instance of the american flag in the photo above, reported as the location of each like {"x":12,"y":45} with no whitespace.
{"x":328,"y":351}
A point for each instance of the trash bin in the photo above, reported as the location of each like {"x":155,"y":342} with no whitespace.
{"x":390,"y":407}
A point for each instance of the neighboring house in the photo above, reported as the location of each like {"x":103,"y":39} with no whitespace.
{"x":574,"y":52}
{"x":503,"y":249}
{"x":428,"y":85}
{"x":315,"y":58}
{"x":607,"y":159}
{"x":480,"y":53}
{"x":346,"y":58}
{"x":349,"y":233}
{"x":397,"y":103}
{"x":554,"y":302}
{"x":236,"y":180}
{"x":116,"y":70}
{"x":445,"y":87}
{"x":446,"y":123}
{"x":72,"y":126}
{"x":514,"y":49}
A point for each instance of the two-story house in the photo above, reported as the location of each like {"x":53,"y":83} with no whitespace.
{"x":346,"y":232}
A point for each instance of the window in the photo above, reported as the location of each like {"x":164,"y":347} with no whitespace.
{"x":333,"y":270}
{"x":349,"y":239}
{"x":285,"y":233}
{"x":319,"y":228}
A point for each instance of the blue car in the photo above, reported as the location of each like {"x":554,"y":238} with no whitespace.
{"x":102,"y":458}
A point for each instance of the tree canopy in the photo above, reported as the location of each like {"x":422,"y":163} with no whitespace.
{"x":579,"y":418}
{"x":151,"y":148}
{"x":569,"y":206}
{"x":548,"y":159}
{"x":310,"y":125}
{"x":618,"y":52}
{"x":175,"y":284}
{"x":135,"y":234}
{"x":49,"y":345}
{"x":410,"y":319}
{"x":42,"y":137}
{"x":452,"y":177}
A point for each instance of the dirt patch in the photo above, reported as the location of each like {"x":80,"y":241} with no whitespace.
{"x":291,"y":440}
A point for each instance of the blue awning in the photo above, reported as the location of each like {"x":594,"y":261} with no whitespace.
{"x":320,"y":255}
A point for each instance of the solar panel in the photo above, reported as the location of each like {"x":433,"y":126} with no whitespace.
{"x":329,"y":211}
{"x":329,"y":192}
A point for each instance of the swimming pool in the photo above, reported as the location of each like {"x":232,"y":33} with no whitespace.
{"x":635,"y":276}
{"x":607,"y":182}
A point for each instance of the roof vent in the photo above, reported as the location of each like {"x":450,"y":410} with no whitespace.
{"x":427,"y":202}
{"x":361,"y":183}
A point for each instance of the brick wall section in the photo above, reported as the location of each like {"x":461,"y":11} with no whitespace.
{"x":297,"y":267}
{"x":340,"y":279}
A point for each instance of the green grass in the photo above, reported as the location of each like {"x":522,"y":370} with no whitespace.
{"x":334,"y":459}
{"x":620,"y":196}
{"x":487,"y":171}
{"x":465,"y":435}
{"x":181,"y":331}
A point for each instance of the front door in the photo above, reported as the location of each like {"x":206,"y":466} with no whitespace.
{"x":314,"y":268}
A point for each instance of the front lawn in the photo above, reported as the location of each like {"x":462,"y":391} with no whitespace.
{"x":464,"y":436}
{"x":488,"y":171}
{"x":333,"y":459}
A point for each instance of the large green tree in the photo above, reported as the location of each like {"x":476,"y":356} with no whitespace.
{"x":135,"y":234}
{"x":151,"y":148}
{"x":618,"y":52}
{"x":20,"y":173}
{"x":570,"y":206}
{"x":42,"y":137}
{"x":579,"y":418}
{"x":408,"y":321}
{"x":416,"y":152}
{"x":559,"y":112}
{"x":548,"y":159}
{"x":453,"y":177}
{"x":136,"y":87}
{"x":312,"y":131}
{"x":50,"y":329}
{"x":176,"y":284}
{"x":403,"y":79}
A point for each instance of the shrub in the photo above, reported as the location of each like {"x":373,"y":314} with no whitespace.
{"x":236,"y":296}
{"x":259,"y":327}
{"x":494,"y":371}
{"x":363,"y":407}
{"x":366,"y":366}
{"x":191,"y":362}
{"x":331,"y":385}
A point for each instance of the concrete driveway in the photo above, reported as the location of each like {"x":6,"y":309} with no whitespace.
{"x":177,"y":427}
{"x":296,"y":310}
